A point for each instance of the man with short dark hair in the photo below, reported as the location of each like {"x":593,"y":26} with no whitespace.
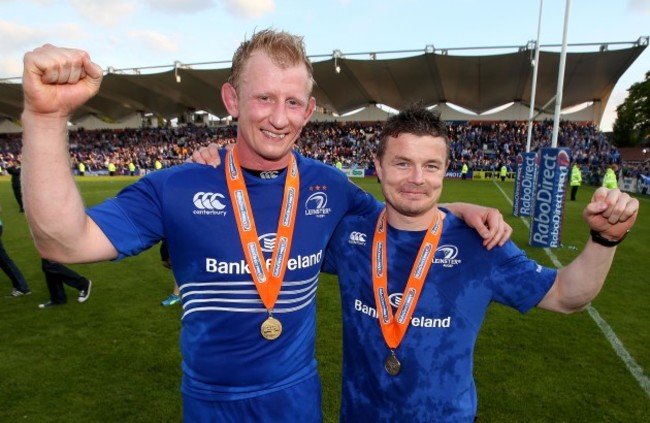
{"x":416,"y":283}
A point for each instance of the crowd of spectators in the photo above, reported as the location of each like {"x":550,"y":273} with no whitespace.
{"x":482,"y":145}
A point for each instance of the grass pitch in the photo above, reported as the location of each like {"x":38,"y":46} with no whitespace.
{"x":115,"y":357}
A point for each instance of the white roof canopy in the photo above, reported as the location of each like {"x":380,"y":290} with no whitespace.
{"x":476,"y":83}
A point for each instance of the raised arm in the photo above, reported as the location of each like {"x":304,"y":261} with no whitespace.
{"x":611,"y":214}
{"x":56,"y":81}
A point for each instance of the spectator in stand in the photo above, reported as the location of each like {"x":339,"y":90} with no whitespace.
{"x":480,"y":145}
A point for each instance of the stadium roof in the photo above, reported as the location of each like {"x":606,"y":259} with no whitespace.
{"x":345,"y":83}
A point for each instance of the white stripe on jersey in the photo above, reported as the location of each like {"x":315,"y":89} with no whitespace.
{"x":246,"y":300}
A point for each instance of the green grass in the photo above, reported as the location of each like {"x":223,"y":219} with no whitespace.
{"x":115,"y":358}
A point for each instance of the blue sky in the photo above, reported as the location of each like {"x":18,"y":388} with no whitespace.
{"x":133,"y":34}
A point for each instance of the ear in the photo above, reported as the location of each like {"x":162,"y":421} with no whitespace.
{"x":378,"y":168}
{"x":311,"y":106}
{"x":230,"y":99}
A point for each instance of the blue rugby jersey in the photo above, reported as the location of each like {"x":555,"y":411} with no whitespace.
{"x":224,"y":354}
{"x":436,"y":381}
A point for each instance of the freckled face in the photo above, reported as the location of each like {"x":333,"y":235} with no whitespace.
{"x":411,"y":173}
{"x":272,"y":105}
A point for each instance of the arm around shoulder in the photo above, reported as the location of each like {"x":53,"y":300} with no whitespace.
{"x":487,"y":221}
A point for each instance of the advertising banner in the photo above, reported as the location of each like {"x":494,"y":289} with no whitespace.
{"x":522,"y":203}
{"x":550,"y":190}
{"x":354,"y":173}
{"x":490,"y":175}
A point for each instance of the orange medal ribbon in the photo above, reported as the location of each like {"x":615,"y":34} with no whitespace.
{"x":394,"y":328}
{"x":267,"y":281}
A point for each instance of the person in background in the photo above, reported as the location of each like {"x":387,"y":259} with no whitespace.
{"x":14,"y":170}
{"x":609,"y":178}
{"x":576,"y":180}
{"x":463,"y":171}
{"x":416,"y":289}
{"x":503,"y":172}
{"x":12,"y":271}
{"x":175,"y":296}
{"x":56,"y":275}
{"x":248,"y":330}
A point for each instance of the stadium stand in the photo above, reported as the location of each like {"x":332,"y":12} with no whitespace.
{"x":482,"y":145}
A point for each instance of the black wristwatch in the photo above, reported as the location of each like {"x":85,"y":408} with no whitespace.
{"x":599,"y":239}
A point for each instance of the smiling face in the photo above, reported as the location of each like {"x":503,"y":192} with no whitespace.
{"x":411,"y":170}
{"x":272,"y":103}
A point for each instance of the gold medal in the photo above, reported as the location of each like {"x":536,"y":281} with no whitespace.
{"x":271,"y":328}
{"x":392,"y":364}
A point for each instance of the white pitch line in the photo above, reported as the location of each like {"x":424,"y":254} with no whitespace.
{"x":607,"y":330}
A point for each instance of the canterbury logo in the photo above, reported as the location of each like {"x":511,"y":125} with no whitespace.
{"x":208,"y":201}
{"x":269,"y":174}
{"x":357,"y":238}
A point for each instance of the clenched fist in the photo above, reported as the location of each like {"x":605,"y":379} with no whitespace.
{"x":56,"y":81}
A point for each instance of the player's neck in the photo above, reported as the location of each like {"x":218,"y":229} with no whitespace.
{"x":253,"y":161}
{"x":411,"y":223}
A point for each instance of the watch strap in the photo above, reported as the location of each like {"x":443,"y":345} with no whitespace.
{"x":599,"y":239}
